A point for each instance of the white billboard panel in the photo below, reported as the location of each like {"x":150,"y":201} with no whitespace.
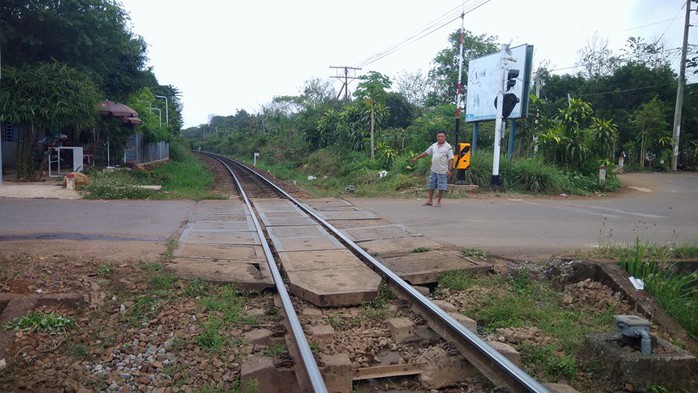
{"x":484,"y":81}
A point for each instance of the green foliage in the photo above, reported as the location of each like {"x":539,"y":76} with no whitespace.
{"x":445,"y":71}
{"x":473,"y":252}
{"x":106,"y":269}
{"x":45,"y":95}
{"x":545,"y":359}
{"x":152,"y":112}
{"x":637,"y":262}
{"x":676,"y":292}
{"x":38,"y":321}
{"x":211,"y":338}
{"x":385,"y":294}
{"x":186,"y":177}
{"x":145,"y":308}
{"x":520,"y":300}
{"x":535,"y":176}
{"x":227,"y":301}
{"x":274,"y":350}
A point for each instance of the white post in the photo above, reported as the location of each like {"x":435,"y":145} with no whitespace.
{"x":499,"y":121}
{"x":254,"y":159}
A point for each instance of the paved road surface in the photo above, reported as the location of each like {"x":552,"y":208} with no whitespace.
{"x":661,"y":209}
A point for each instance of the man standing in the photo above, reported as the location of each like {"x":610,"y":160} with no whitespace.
{"x":441,"y":164}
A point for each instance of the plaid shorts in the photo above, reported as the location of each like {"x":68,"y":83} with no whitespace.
{"x":438,"y":181}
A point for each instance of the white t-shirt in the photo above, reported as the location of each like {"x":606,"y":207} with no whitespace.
{"x":440,"y":155}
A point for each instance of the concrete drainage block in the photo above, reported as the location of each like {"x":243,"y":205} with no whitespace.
{"x":667,"y":365}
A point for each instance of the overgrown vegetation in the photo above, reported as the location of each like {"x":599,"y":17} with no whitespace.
{"x":520,"y":301}
{"x":51,"y":322}
{"x":184,"y":177}
{"x":676,"y":291}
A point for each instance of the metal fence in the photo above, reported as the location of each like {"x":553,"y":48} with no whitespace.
{"x":137,"y":151}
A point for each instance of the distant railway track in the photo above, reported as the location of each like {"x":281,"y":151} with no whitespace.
{"x":490,"y":363}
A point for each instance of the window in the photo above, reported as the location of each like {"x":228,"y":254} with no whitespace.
{"x":8,"y":133}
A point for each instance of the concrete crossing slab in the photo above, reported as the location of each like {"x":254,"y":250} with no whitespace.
{"x":328,"y":203}
{"x":378,"y":232}
{"x":427,"y":267}
{"x":275,"y":205}
{"x":250,"y":276}
{"x":347,"y":215}
{"x":319,"y":260}
{"x":219,"y":237}
{"x":237,"y":226}
{"x":208,"y":217}
{"x":290,"y":221}
{"x":306,"y":243}
{"x":297,"y":231}
{"x":334,"y":287}
{"x":220,"y":207}
{"x":220,"y":251}
{"x":398,"y":246}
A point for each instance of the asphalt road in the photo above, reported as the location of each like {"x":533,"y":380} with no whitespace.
{"x":155,"y":221}
{"x":659,"y":208}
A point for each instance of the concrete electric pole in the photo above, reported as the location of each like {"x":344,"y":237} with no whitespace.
{"x":679,"y":90}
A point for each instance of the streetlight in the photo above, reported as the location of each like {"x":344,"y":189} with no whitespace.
{"x":167,"y":111}
{"x":159,"y":114}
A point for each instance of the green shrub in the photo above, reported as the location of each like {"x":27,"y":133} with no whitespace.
{"x":533,"y":175}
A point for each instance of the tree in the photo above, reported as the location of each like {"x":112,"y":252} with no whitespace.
{"x":596,"y":59}
{"x":318,"y":91}
{"x":649,"y":54}
{"x":649,"y":121}
{"x":89,"y":35}
{"x":45,"y":96}
{"x":372,"y":91}
{"x":414,"y":86}
{"x":444,"y":74}
{"x":154,"y":128}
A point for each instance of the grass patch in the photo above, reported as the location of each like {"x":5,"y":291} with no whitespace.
{"x":227,"y":301}
{"x":183,"y":177}
{"x":274,"y":350}
{"x":211,"y":338}
{"x":145,"y":307}
{"x":38,"y":321}
{"x":106,"y":269}
{"x":473,"y":252}
{"x":521,"y":301}
{"x":676,"y":292}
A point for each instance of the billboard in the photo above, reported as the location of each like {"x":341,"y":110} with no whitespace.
{"x":484,"y":81}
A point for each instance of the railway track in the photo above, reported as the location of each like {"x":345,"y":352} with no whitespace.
{"x":256,"y":192}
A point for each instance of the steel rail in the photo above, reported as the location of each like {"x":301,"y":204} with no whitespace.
{"x":486,"y":359}
{"x":313,"y":377}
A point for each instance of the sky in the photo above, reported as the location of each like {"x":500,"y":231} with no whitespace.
{"x":228,"y":55}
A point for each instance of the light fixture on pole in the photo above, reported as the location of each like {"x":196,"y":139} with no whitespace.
{"x":167,"y":111}
{"x":159,"y":114}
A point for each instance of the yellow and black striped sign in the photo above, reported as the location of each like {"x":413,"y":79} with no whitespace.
{"x":463,"y":156}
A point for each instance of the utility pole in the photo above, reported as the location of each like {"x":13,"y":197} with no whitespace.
{"x":345,"y":83}
{"x":460,"y":173}
{"x":679,"y":90}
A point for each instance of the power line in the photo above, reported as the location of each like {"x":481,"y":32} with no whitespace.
{"x":430,"y":28}
{"x":623,"y":90}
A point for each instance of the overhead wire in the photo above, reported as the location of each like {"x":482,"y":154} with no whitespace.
{"x":433,"y":26}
